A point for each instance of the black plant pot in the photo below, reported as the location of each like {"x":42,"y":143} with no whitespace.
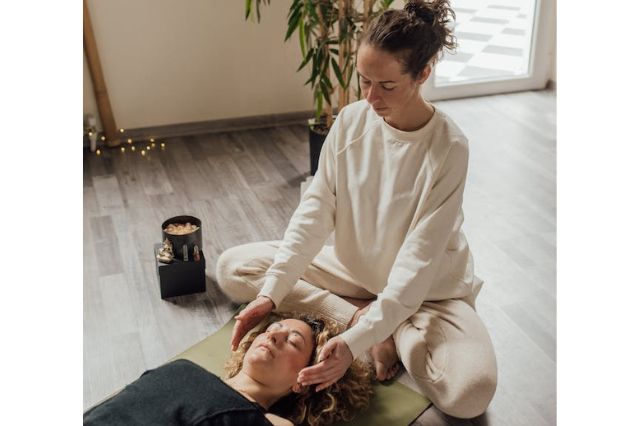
{"x":317,"y":135}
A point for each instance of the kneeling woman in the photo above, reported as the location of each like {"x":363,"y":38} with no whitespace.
{"x":261,"y":386}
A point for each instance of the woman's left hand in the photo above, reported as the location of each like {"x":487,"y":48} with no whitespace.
{"x":335,"y":359}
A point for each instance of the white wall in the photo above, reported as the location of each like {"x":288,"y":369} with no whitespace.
{"x":170,"y":61}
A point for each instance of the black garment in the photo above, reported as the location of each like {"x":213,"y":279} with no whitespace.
{"x":178,"y":393}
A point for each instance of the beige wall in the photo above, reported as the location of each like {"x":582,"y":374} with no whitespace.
{"x":170,"y":61}
{"x":554,"y":59}
{"x":89,"y":99}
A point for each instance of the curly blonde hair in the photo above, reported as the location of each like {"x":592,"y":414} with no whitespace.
{"x":338,"y":402}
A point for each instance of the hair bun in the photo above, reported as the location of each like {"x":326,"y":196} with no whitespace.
{"x":420,"y":10}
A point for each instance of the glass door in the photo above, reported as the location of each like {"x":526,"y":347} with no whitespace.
{"x":503,"y":46}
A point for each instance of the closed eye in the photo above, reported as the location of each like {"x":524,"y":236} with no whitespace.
{"x":295,"y":340}
{"x":294,"y":337}
{"x":367,"y":83}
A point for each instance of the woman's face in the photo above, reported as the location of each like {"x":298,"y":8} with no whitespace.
{"x":276,"y":356}
{"x":388,"y":90}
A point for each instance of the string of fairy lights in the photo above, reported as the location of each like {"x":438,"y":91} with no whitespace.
{"x":147,"y":146}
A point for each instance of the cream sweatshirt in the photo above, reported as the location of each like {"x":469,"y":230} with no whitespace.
{"x":394,"y":199}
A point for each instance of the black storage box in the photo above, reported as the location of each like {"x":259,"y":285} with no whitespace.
{"x":179,"y":278}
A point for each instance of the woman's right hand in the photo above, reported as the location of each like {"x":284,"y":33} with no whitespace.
{"x":249,"y":317}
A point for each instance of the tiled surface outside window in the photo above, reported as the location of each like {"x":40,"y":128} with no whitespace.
{"x":494,"y":40}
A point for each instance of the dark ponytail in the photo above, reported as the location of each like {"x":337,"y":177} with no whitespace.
{"x":419,"y":10}
{"x":417,"y":34}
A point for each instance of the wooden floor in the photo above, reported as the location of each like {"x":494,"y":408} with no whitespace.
{"x":245,"y":185}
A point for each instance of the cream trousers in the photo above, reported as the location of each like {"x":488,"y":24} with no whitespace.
{"x":444,"y":346}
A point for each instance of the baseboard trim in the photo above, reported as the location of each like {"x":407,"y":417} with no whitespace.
{"x":218,"y":126}
{"x":551,"y":85}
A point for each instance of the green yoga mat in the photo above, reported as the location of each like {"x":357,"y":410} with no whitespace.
{"x":392,"y":403}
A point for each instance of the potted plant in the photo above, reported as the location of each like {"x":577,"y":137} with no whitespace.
{"x":328,"y":33}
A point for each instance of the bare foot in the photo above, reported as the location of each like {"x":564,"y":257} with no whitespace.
{"x":363,"y":307}
{"x":385,"y":359}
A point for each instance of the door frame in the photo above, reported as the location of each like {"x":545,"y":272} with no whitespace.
{"x":542,"y":51}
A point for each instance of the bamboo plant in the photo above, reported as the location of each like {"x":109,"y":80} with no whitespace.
{"x":328,"y":32}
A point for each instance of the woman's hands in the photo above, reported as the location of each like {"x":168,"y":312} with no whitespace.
{"x":249,"y":317}
{"x":335,"y":359}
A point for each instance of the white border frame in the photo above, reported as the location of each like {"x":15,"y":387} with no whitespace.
{"x":539,"y":66}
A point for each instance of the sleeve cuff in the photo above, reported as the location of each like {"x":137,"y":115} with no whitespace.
{"x":274,"y":291}
{"x":359,"y":339}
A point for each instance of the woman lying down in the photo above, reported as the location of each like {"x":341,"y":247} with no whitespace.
{"x":260,"y":389}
